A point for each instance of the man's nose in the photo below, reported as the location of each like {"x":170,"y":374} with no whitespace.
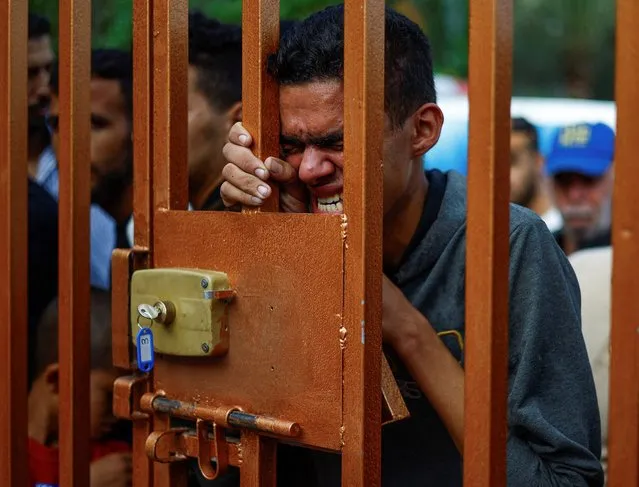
{"x":577,"y":191}
{"x":43,"y":91}
{"x":314,"y":166}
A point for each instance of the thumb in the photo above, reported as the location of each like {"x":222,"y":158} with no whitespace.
{"x":280,"y":171}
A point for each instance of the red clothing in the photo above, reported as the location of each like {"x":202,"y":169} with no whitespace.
{"x":43,"y":461}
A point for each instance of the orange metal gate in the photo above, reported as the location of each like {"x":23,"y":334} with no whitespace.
{"x":160,"y":138}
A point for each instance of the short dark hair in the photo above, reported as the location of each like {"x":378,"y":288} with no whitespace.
{"x":38,"y":26}
{"x":215,"y":50}
{"x":313,"y":50}
{"x":46,"y":350}
{"x":522,"y":126}
{"x":109,"y":64}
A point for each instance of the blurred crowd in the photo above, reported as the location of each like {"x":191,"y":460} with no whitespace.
{"x":570,"y":190}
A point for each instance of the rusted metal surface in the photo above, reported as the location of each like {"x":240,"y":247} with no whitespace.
{"x":363,"y":136}
{"x":186,"y":445}
{"x":231,"y":417}
{"x":170,"y":85}
{"x":124,"y":262}
{"x":143,"y":122}
{"x":13,"y":244}
{"x":121,"y":270}
{"x":74,"y":295}
{"x":394,"y":407}
{"x":172,"y":474}
{"x":211,"y":447}
{"x":487,"y":253}
{"x":260,"y":93}
{"x":284,"y":355}
{"x":258,"y":460}
{"x":143,"y":153}
{"x":624,"y":379}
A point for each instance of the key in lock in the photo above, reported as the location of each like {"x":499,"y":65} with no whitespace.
{"x":162,"y":312}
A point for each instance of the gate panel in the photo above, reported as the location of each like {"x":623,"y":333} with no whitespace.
{"x":279,"y":363}
{"x":624,"y":373}
{"x":13,"y":244}
{"x":487,"y":254}
{"x":74,"y":293}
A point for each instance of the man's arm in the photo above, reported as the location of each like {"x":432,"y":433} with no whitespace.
{"x":554,"y":430}
{"x":436,"y":371}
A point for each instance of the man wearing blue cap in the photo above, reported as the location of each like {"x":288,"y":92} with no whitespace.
{"x":580,"y":166}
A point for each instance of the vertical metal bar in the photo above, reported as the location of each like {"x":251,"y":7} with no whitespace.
{"x":13,"y":245}
{"x":74,"y":295}
{"x":487,"y":257}
{"x":363,"y":136}
{"x":624,"y":374}
{"x":258,"y":467}
{"x":143,"y":122}
{"x":260,"y":95}
{"x":261,"y":117}
{"x":169,"y":78}
{"x":170,"y":84}
{"x":143,"y":194}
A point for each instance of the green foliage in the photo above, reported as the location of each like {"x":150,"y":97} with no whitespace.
{"x":562,"y":47}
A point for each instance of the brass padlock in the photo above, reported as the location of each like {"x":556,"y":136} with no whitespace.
{"x":186,"y":310}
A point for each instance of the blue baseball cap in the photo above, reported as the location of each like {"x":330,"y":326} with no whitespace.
{"x":584,"y":148}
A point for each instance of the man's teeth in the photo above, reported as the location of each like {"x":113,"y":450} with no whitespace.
{"x":331,"y":204}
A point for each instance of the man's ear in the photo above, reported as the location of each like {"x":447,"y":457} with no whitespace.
{"x":52,"y":378}
{"x":427,"y":127}
{"x":234,"y":114}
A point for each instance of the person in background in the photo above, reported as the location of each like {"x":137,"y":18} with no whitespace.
{"x":593,"y":268}
{"x":528,"y":186}
{"x":42,"y":258}
{"x":580,"y":165}
{"x":214,"y":104}
{"x":40,"y":59}
{"x":111,"y":156}
{"x":110,"y":459}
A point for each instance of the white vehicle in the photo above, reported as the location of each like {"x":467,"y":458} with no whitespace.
{"x":547,"y":114}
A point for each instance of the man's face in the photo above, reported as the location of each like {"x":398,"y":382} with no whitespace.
{"x":525,"y":170}
{"x":208,"y":132}
{"x":312,"y":142}
{"x":111,"y":145}
{"x":39,"y":61}
{"x":581,"y":199}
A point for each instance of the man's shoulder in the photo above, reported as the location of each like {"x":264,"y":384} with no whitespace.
{"x":527,"y":225}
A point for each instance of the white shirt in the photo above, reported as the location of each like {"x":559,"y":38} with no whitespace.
{"x":594,"y":273}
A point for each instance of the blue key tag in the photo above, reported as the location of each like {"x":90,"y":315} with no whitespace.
{"x":146,"y":354}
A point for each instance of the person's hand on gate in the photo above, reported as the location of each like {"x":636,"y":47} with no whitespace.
{"x":245,"y":176}
{"x":114,"y":470}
